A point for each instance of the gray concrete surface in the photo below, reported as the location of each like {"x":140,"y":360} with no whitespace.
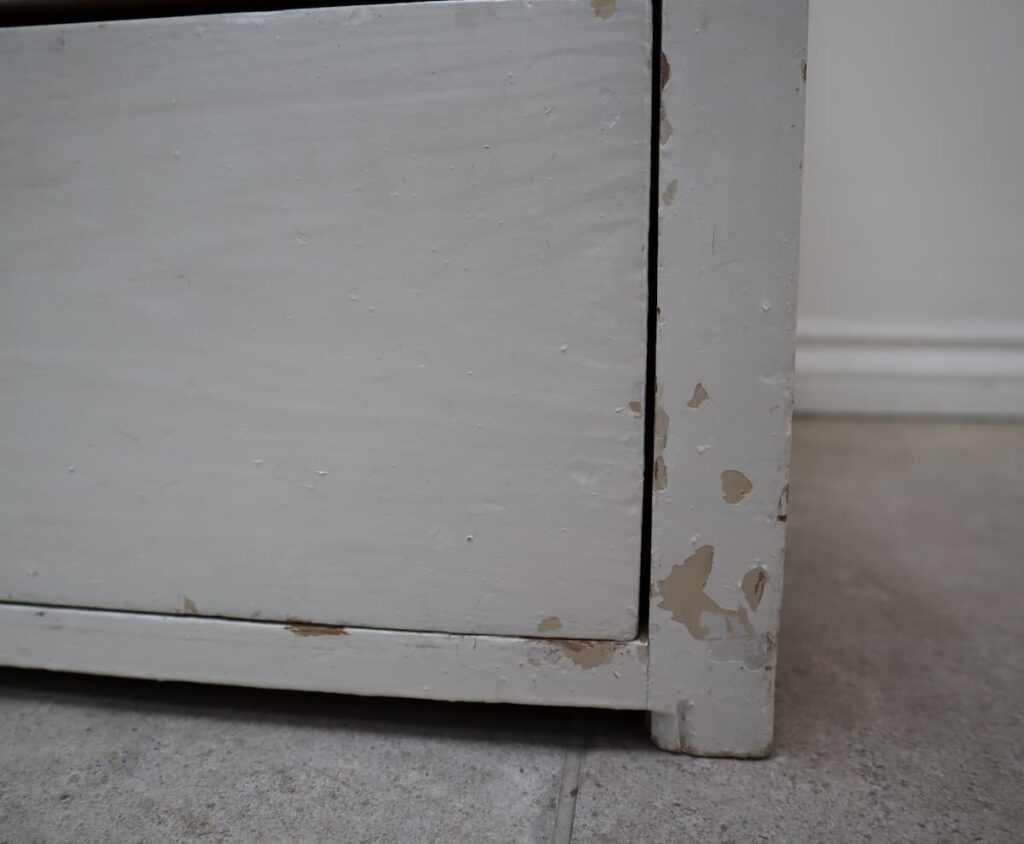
{"x":900,"y":717}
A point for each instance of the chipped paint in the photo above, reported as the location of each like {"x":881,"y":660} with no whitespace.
{"x":753,"y":586}
{"x":589,"y":654}
{"x":735,"y":486}
{"x":783,"y":510}
{"x":668,"y":196}
{"x":660,"y":474}
{"x":603,"y":9}
{"x":552,"y":622}
{"x":316,"y":630}
{"x":700,"y":395}
{"x":660,"y":441}
{"x":666,"y":71}
{"x":665,"y":128}
{"x":682,"y":594}
{"x":636,"y":409}
{"x":189,"y":605}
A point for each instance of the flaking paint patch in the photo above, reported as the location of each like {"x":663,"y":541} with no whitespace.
{"x":189,"y":605}
{"x":666,"y":71}
{"x":753,"y":584}
{"x":700,"y":395}
{"x":682,"y":594}
{"x":552,"y":622}
{"x":660,"y":474}
{"x":636,"y":409}
{"x":668,"y":196}
{"x":660,"y":441}
{"x":603,"y":9}
{"x":589,"y":654}
{"x":735,"y":486}
{"x":316,"y":630}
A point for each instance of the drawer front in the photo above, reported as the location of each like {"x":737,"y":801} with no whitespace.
{"x":336,"y":315}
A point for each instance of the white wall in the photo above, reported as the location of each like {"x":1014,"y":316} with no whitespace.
{"x":912,"y":245}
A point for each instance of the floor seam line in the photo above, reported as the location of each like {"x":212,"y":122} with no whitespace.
{"x":569,"y":784}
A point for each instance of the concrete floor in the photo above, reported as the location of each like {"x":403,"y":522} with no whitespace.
{"x":900,"y":708}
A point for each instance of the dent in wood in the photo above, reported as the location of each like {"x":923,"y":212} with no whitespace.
{"x":783,"y":509}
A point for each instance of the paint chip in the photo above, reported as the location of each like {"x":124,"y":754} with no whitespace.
{"x":189,"y":605}
{"x":753,"y":586}
{"x":668,"y":196}
{"x":552,"y":622}
{"x":682,"y":594}
{"x":316,"y":630}
{"x":636,"y":408}
{"x":603,"y":9}
{"x":735,"y":486}
{"x":588,"y":654}
{"x":700,"y":395}
{"x":660,"y":474}
{"x":666,"y":71}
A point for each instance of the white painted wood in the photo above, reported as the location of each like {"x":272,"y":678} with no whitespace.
{"x":911,"y":298}
{"x":858,"y":368}
{"x":350,"y":660}
{"x":333,"y":314}
{"x":730,"y":188}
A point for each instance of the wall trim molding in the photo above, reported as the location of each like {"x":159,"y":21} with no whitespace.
{"x":960,"y":369}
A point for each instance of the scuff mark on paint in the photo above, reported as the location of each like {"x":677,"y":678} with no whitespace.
{"x":665,"y":127}
{"x":668,"y":196}
{"x":189,"y":605}
{"x":603,"y":9}
{"x":316,"y":630}
{"x":589,"y":654}
{"x":753,"y":586}
{"x":552,"y":622}
{"x":700,"y":395}
{"x":755,"y":652}
{"x":735,"y":486}
{"x":682,"y":594}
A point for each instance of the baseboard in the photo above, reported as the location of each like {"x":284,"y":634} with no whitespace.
{"x":906,"y":370}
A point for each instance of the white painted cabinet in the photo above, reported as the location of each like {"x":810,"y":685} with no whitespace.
{"x":324,"y":349}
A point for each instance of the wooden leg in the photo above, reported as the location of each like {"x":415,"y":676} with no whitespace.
{"x":728,"y":226}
